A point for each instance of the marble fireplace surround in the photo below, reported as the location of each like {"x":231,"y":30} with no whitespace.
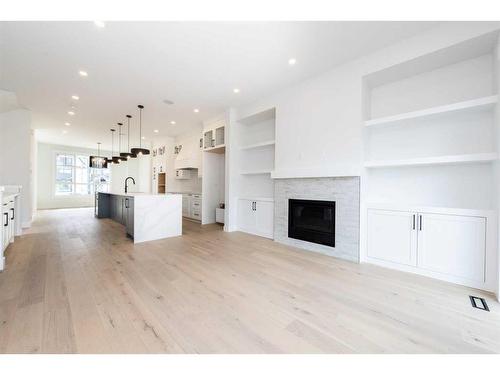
{"x":345,"y":191}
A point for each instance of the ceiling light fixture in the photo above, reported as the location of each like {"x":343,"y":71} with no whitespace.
{"x":83,"y":73}
{"x":99,"y":24}
{"x":236,"y":91}
{"x":172,"y":122}
{"x":292,"y":61}
{"x":67,"y":124}
{"x":98,"y":161}
{"x":111,"y":159}
{"x":120,"y":158}
{"x":156,"y":131}
{"x":143,"y":137}
{"x":140,"y":150}
{"x":75,"y":97}
{"x":64,"y":131}
{"x":71,"y":113}
{"x":128,"y":154}
{"x":196,"y":110}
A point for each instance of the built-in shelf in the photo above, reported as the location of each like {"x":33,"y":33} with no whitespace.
{"x":258,"y":117}
{"x":479,"y":104}
{"x":437,"y":160}
{"x":261,"y":171}
{"x":258,"y":145}
{"x":217,"y":149}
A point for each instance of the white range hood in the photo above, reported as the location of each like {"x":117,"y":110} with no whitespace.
{"x":187,"y":159}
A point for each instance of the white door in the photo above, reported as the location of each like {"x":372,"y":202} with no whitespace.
{"x":264,"y":218}
{"x":453,"y":245}
{"x":246,"y":216}
{"x":392,"y":236}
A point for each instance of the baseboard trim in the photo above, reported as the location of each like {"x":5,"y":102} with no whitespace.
{"x":26,"y":224}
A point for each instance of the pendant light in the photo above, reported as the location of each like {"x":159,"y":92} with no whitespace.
{"x":139,"y":150}
{"x":119,"y":159}
{"x":129,"y":154}
{"x":98,"y":161}
{"x":111,"y":159}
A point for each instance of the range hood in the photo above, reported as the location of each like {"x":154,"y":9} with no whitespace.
{"x":186,"y":159}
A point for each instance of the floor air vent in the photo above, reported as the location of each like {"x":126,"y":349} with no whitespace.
{"x":479,"y":303}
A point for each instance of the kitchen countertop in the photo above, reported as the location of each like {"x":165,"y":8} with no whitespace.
{"x":8,"y":197}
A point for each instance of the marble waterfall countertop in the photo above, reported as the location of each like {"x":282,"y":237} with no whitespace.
{"x":146,"y":216}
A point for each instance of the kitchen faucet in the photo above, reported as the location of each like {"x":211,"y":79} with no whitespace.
{"x":126,"y":187}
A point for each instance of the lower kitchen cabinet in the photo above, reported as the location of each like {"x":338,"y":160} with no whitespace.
{"x":256,"y":217}
{"x":450,"y":247}
{"x":191,"y":206}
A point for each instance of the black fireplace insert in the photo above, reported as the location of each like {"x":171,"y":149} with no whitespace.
{"x":312,"y":221}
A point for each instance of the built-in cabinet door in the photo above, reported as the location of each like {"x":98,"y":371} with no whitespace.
{"x":264,"y":212}
{"x":246,"y":216}
{"x":129,"y":215}
{"x":392,"y":236}
{"x":453,"y":245}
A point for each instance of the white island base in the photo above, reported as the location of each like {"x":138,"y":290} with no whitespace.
{"x":146,"y":217}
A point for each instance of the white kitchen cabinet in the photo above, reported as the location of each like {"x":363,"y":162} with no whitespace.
{"x":447,"y":246}
{"x":186,"y":205}
{"x":452,"y":245}
{"x":392,"y":236}
{"x":191,"y":206}
{"x":256,"y":217}
{"x":10,"y":222}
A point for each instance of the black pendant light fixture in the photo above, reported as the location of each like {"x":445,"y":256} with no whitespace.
{"x":139,"y":150}
{"x":128,"y":154}
{"x":119,"y":159}
{"x":98,"y":161}
{"x":111,"y":159}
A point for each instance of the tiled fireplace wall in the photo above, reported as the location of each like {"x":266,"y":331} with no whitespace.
{"x":343,"y":190}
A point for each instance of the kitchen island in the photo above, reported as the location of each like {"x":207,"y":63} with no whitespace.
{"x":146,"y":217}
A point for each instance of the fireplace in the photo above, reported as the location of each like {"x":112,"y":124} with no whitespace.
{"x":312,"y":221}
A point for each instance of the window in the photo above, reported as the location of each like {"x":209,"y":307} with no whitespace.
{"x":74,"y":176}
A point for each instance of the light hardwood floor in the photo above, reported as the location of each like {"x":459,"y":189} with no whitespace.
{"x":75,"y":284}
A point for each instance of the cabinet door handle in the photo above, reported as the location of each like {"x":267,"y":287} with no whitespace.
{"x":126,"y":203}
{"x":413,"y":227}
{"x":12,"y":218}
{"x":7,"y":217}
{"x":420,"y":222}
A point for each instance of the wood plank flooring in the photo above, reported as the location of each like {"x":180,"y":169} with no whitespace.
{"x":75,"y":284}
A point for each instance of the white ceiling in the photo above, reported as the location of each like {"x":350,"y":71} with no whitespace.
{"x":193,"y":64}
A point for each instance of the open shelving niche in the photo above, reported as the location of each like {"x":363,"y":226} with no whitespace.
{"x":256,"y":149}
{"x":429,"y":129}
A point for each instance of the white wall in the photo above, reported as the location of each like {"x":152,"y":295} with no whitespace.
{"x":15,"y":157}
{"x":138,"y":168}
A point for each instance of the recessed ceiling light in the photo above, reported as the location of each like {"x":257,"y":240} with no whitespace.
{"x":156,"y":130}
{"x":143,"y":137}
{"x":169,"y":102}
{"x":99,"y":24}
{"x":236,"y":91}
{"x":83,"y":73}
{"x":292,"y":61}
{"x":172,"y":122}
{"x":71,"y":113}
{"x":65,"y":132}
{"x":196,"y":110}
{"x":67,"y":124}
{"x":75,"y":97}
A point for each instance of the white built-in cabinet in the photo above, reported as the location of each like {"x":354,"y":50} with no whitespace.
{"x":256,"y":217}
{"x":450,"y":247}
{"x":392,"y":237}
